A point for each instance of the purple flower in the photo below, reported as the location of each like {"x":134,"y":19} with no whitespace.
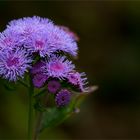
{"x":39,"y":80}
{"x":28,"y":26}
{"x":53,"y":86}
{"x":41,"y":35}
{"x":73,"y":77}
{"x":27,"y":29}
{"x":9,"y":41}
{"x":78,"y":79}
{"x":6,"y":42}
{"x":58,"y":66}
{"x":59,"y":40}
{"x":37,"y":68}
{"x":63,"y":98}
{"x":38,"y":43}
{"x":13,"y":64}
{"x":51,"y":40}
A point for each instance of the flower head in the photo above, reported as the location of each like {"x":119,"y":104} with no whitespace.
{"x":58,"y":67}
{"x":28,"y":26}
{"x":60,"y":40}
{"x":78,"y":79}
{"x":9,"y":41}
{"x":39,"y":80}
{"x":51,"y":40}
{"x":63,"y":98}
{"x":53,"y":86}
{"x":13,"y":64}
{"x":37,"y":68}
{"x":38,"y":43}
{"x":41,"y":35}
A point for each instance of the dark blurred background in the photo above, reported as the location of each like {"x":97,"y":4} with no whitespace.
{"x":109,"y":52}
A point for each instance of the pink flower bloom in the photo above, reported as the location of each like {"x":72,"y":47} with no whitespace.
{"x":63,"y":98}
{"x":53,"y":86}
{"x":58,"y":66}
{"x":39,"y":80}
{"x":13,"y":64}
{"x":78,"y":79}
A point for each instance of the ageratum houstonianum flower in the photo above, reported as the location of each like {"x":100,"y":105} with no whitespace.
{"x":13,"y":64}
{"x":35,"y":45}
{"x":53,"y":86}
{"x":9,"y":41}
{"x":41,"y":35}
{"x":63,"y":97}
{"x":39,"y":80}
{"x":78,"y":79}
{"x":60,"y":40}
{"x":58,"y":67}
{"x":52,"y":40}
{"x":37,"y":68}
{"x":28,"y":26}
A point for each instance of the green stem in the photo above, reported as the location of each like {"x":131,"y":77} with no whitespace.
{"x":39,"y":119}
{"x":38,"y":125}
{"x":31,"y":110}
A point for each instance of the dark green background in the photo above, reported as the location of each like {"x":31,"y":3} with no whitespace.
{"x":109,"y":52}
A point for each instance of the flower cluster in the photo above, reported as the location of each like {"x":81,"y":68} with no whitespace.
{"x":39,"y":47}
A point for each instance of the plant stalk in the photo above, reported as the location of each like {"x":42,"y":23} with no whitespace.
{"x":31,"y":110}
{"x":39,"y":119}
{"x":38,"y":125}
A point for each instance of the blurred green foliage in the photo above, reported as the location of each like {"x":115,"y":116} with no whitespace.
{"x":109,"y":52}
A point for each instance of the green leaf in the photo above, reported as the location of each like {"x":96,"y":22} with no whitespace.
{"x":39,"y":107}
{"x":54,"y":116}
